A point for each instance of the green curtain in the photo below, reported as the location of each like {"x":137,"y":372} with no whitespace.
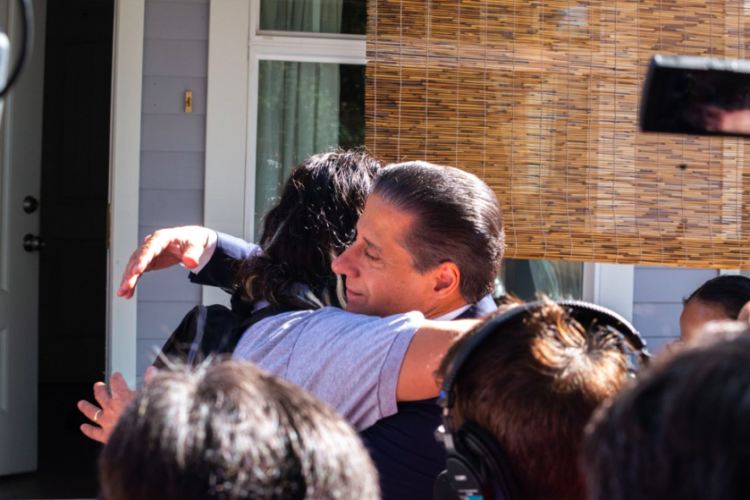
{"x":316,"y":16}
{"x":558,"y":279}
{"x":298,"y":116}
{"x":298,"y":102}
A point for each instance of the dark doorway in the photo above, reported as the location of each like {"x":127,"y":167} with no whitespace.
{"x":73,"y":204}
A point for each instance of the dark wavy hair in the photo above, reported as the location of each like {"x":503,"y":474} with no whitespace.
{"x":313,"y":222}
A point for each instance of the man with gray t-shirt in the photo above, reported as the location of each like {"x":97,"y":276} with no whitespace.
{"x":430,"y":239}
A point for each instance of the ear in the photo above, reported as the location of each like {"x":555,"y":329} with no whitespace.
{"x":447,"y":280}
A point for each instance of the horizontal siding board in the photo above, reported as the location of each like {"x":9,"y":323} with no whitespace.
{"x":166,"y":94}
{"x":177,"y":1}
{"x":146,"y":352}
{"x":657,"y":345}
{"x":168,"y":285}
{"x":176,"y":21}
{"x":172,"y":170}
{"x":177,"y":133}
{"x":167,"y":208}
{"x":157,"y":320}
{"x":657,"y":320}
{"x":175,"y":58}
{"x":661,"y":285}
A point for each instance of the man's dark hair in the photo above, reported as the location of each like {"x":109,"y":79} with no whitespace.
{"x":681,"y":433}
{"x":231,"y":431}
{"x":533,"y":385}
{"x":313,"y":222}
{"x":457,"y":219}
{"x":729,"y":293}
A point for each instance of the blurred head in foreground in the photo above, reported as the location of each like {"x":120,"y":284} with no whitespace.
{"x":720,"y":298}
{"x":682,"y":432}
{"x":533,"y":385}
{"x":231,"y":431}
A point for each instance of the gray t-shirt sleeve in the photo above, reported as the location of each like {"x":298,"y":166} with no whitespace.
{"x":353,"y":361}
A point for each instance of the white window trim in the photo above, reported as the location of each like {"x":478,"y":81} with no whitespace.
{"x":125,"y":157}
{"x":610,"y":286}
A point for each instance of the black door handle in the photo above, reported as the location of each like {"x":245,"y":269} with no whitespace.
{"x":30,"y":204}
{"x":31,"y":243}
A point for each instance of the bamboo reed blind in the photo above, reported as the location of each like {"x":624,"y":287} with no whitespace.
{"x":540,"y":99}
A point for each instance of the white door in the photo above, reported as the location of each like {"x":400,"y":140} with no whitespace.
{"x":20,"y":166}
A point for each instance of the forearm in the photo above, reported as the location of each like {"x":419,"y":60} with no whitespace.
{"x":223,"y":263}
{"x":416,"y":380}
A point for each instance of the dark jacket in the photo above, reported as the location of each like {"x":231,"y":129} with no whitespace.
{"x":402,"y":446}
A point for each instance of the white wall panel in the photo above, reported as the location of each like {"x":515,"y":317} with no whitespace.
{"x":166,"y":208}
{"x":183,"y":133}
{"x":168,"y":285}
{"x":668,"y":284}
{"x":166,"y":94}
{"x":176,"y":21}
{"x":172,"y":170}
{"x":175,"y":58}
{"x":157,"y":320}
{"x":657,"y":320}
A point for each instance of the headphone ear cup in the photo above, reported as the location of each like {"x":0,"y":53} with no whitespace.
{"x":464,"y":478}
{"x":489,"y":460}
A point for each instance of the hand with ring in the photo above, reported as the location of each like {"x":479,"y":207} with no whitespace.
{"x":111,"y":407}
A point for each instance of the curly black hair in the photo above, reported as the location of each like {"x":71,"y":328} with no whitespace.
{"x":313,"y":222}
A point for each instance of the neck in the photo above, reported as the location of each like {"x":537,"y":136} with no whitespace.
{"x":444,"y":307}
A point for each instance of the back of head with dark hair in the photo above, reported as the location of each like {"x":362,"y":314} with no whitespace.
{"x":313,"y":222}
{"x":729,"y":293}
{"x":232,"y":431}
{"x":533,"y":385}
{"x":457,"y":219}
{"x":681,"y":433}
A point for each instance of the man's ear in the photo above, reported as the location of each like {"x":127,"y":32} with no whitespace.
{"x":447,"y":280}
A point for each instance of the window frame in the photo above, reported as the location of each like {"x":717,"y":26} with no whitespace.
{"x":293,"y":47}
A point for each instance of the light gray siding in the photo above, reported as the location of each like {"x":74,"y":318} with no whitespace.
{"x":657,"y":300}
{"x":175,"y":60}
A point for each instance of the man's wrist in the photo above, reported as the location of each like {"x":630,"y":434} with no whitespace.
{"x":208,"y":251}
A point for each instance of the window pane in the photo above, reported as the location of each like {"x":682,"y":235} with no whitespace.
{"x":347,"y":17}
{"x":524,"y":278}
{"x":303,"y":109}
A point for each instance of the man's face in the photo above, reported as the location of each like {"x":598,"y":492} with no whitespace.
{"x":380,"y":277}
{"x":695,"y":315}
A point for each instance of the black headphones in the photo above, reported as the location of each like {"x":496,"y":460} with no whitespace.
{"x":477,"y":467}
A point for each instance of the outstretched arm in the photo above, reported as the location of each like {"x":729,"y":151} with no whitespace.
{"x":416,"y":380}
{"x":162,"y":249}
{"x":187,"y":244}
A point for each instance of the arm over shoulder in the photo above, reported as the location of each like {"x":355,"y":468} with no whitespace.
{"x":416,"y":380}
{"x":219,"y":269}
{"x":361,"y":365}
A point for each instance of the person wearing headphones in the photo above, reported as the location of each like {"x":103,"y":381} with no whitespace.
{"x":517,"y":392}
